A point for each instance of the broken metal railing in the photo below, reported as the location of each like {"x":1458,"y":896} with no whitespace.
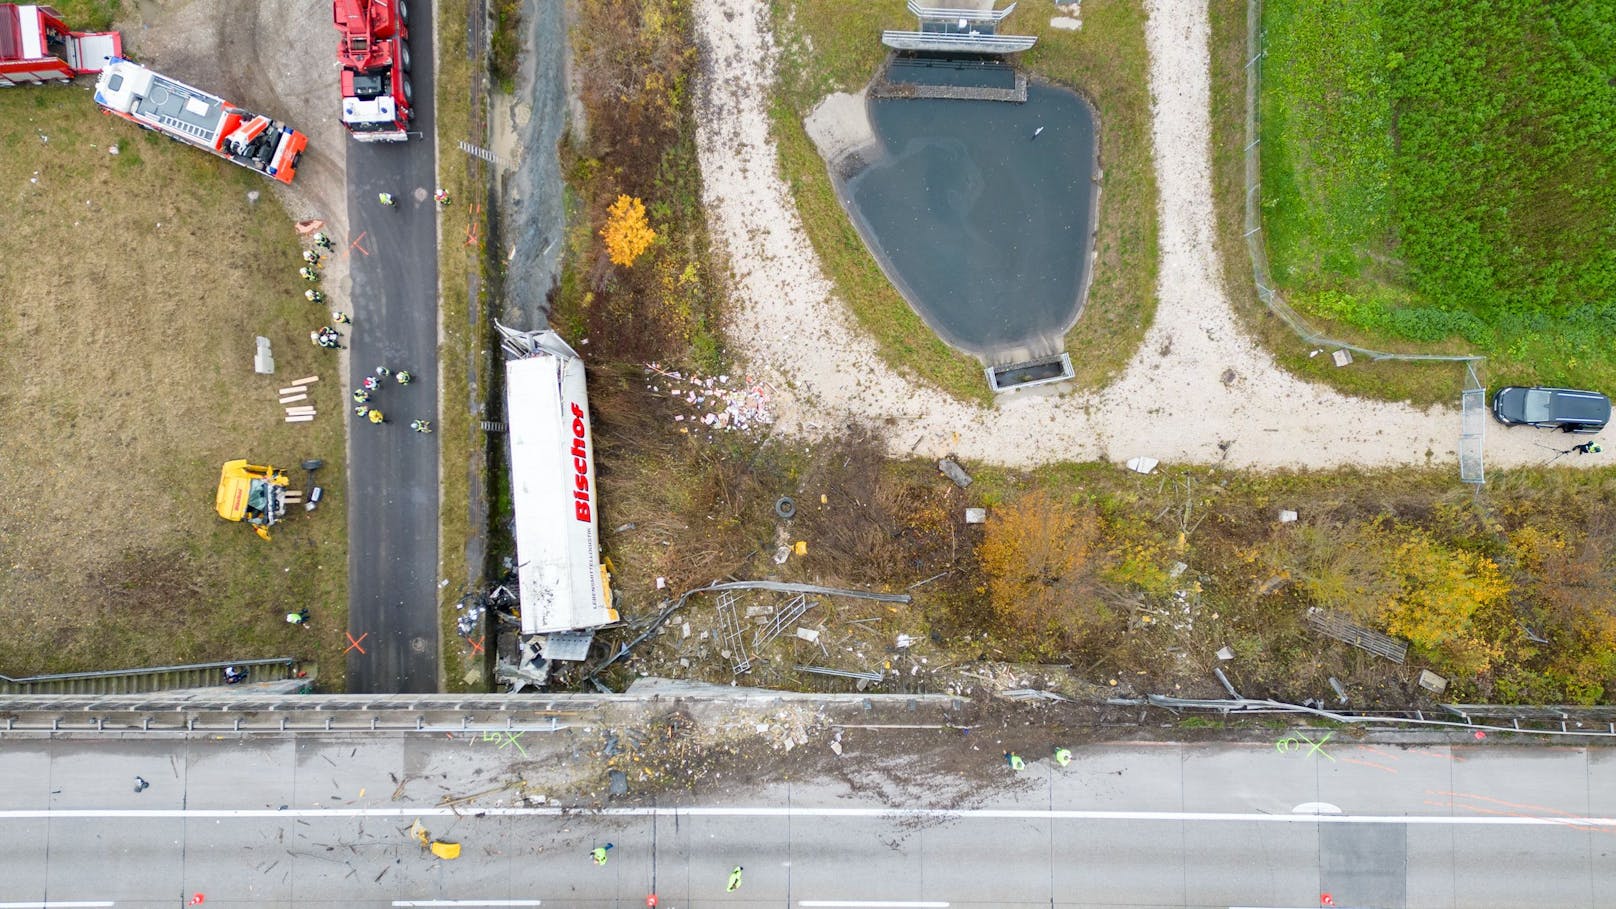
{"x":842,"y":673}
{"x":1570,"y":720}
{"x":795,"y":607}
{"x":730,"y":634}
{"x":1343,"y":629}
{"x":777,"y":586}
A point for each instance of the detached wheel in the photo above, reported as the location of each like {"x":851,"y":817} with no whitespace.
{"x":786,"y":508}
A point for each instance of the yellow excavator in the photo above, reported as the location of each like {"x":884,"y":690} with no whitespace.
{"x":253,"y":493}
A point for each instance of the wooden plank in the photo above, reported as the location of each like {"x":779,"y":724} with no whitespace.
{"x":300,"y":408}
{"x":301,"y":418}
{"x":293,"y":389}
{"x":309,"y":380}
{"x":290,"y":398}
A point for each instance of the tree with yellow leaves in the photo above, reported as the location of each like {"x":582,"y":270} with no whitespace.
{"x":626,"y":233}
{"x":1443,"y":591}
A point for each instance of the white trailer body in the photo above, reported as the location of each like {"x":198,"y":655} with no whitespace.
{"x":563,"y":584}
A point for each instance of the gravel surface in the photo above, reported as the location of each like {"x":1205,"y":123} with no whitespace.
{"x":1199,"y":390}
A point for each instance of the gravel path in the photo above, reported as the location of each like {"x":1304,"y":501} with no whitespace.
{"x":1199,"y":390}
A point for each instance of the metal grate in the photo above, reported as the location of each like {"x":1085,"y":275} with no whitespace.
{"x":1343,"y":629}
{"x":793,"y":611}
{"x":729,"y":631}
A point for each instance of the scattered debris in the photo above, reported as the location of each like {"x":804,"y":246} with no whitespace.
{"x":951,"y":469}
{"x":1342,"y":357}
{"x":1432,"y":682}
{"x":724,"y":402}
{"x":976,"y":515}
{"x":1225,"y":654}
{"x":1286,"y":516}
{"x":263,"y":359}
{"x":1142,"y":465}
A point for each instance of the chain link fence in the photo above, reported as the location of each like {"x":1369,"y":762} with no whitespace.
{"x":1470,"y":444}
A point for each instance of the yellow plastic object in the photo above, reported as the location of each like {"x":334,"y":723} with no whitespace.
{"x":419,"y":834}
{"x":801,"y":548}
{"x":445,"y":850}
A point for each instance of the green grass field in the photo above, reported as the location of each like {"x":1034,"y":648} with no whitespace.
{"x":827,"y":47}
{"x":1441,"y":176}
{"x":134,"y":286}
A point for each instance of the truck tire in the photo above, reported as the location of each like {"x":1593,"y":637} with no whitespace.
{"x":403,"y":13}
{"x":404,"y":57}
{"x":409,"y":93}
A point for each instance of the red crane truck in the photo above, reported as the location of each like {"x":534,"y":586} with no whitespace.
{"x":378,"y":102}
{"x":185,"y":114}
{"x":37,"y":46}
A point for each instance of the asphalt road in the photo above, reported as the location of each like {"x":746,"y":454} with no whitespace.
{"x":392,"y":471}
{"x":1124,"y":825}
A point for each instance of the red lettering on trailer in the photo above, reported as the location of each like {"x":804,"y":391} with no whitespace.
{"x":580,"y":467}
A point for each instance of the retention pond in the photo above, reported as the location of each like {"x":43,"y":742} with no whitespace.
{"x":981,"y":213}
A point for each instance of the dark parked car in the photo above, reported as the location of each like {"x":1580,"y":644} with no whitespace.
{"x":1565,"y":409}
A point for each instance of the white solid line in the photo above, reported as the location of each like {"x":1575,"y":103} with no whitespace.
{"x":873,"y":904}
{"x":467,"y":903}
{"x":893,"y":814}
{"x":58,"y":904}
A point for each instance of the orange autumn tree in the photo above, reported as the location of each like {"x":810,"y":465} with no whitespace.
{"x":627,"y":234}
{"x":1039,"y":554}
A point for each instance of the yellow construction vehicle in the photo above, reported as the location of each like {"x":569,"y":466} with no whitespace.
{"x":252,"y":493}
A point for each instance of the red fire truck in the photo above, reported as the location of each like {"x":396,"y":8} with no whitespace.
{"x":378,"y":102}
{"x":185,"y":114}
{"x":37,"y":46}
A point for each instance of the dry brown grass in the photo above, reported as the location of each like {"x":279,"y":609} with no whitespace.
{"x":133,"y":288}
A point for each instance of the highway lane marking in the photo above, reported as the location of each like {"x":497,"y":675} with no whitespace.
{"x":82,"y":904}
{"x":873,"y":904}
{"x":894,"y":814}
{"x":468,"y":902}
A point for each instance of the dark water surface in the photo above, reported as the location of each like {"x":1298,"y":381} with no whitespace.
{"x":985,"y":230}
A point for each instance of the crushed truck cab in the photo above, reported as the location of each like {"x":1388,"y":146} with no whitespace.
{"x":252,"y":493}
